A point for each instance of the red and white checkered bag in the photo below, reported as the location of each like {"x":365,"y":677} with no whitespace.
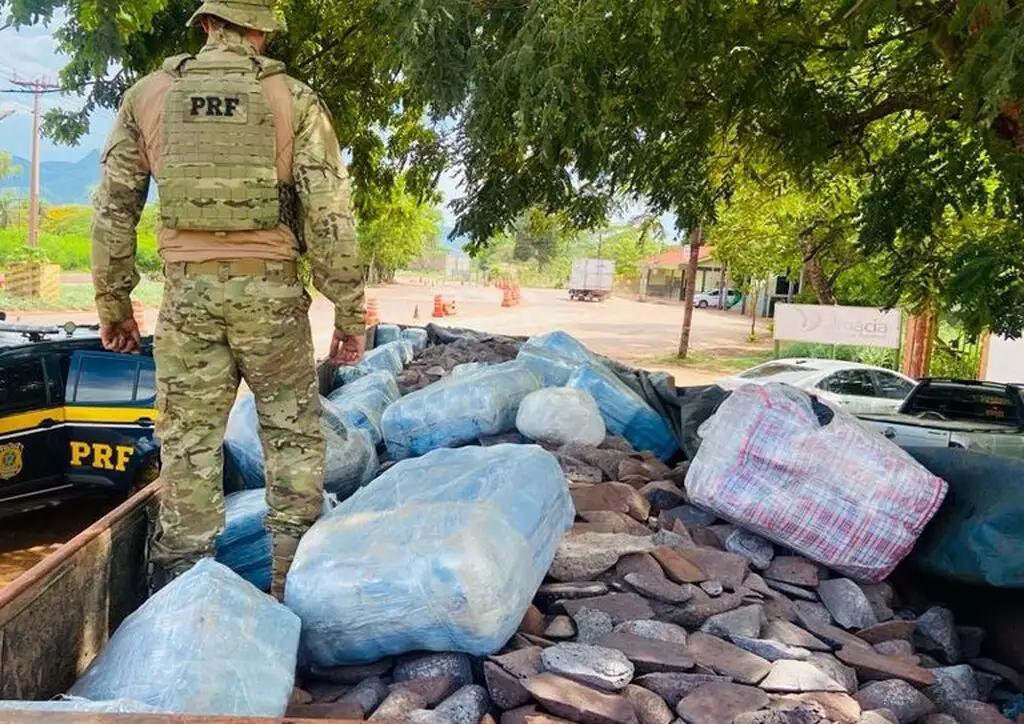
{"x":837,"y":493}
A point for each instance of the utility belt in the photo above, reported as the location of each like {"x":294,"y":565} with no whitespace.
{"x":284,"y":271}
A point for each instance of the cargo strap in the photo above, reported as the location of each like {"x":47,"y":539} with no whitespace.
{"x":237,"y":268}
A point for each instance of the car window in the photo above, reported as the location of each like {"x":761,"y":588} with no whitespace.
{"x":850,"y":382}
{"x":22,"y":385}
{"x":772,"y":369}
{"x":965,"y":402}
{"x":107,"y":379}
{"x":892,"y":386}
{"x":146,"y":391}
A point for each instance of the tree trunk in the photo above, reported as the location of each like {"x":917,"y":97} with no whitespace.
{"x":691,"y":285}
{"x":820,"y":283}
{"x":722,"y":286}
{"x":753,"y":309}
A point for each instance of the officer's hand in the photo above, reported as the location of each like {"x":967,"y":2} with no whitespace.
{"x":121,"y":337}
{"x":347,"y":349}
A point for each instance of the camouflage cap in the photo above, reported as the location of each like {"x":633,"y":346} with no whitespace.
{"x":254,"y":14}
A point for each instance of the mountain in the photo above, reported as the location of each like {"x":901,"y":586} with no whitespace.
{"x":453,"y":245}
{"x":60,"y":182}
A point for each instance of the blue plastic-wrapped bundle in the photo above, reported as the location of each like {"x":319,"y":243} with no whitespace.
{"x":484,"y":524}
{"x":345,"y":375}
{"x":386,"y":333}
{"x":625,"y":413}
{"x":351,"y":456}
{"x":381,"y":380}
{"x":457,"y":410}
{"x":243,"y":453}
{"x":207,"y":643}
{"x":244,"y":544}
{"x":387,"y":357}
{"x":405,"y":351}
{"x":78,"y":704}
{"x":554,"y":357}
{"x":417,"y":337}
{"x":362,"y":404}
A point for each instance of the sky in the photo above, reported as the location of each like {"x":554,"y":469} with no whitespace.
{"x":31,"y":53}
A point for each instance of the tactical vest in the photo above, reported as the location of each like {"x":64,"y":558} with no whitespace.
{"x":218,"y":171}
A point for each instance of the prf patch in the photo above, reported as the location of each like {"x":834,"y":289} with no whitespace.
{"x":11,"y":459}
{"x":225,"y":109}
{"x":100,"y":455}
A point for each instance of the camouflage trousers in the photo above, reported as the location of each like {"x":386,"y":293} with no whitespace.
{"x":215,"y":329}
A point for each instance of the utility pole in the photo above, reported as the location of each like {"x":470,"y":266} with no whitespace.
{"x":37,"y":87}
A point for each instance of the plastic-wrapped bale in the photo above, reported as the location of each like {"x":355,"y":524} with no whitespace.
{"x":381,"y":380}
{"x":405,"y":351}
{"x":78,"y":704}
{"x":468,"y":367}
{"x":351,"y":457}
{"x":625,"y":413}
{"x":387,"y":333}
{"x":244,"y":544}
{"x":457,"y":410}
{"x":484,"y":523}
{"x":243,"y":453}
{"x":345,"y":375}
{"x":561,"y":415}
{"x":554,"y":356}
{"x":417,"y":337}
{"x":813,"y":479}
{"x":387,"y":357}
{"x":207,"y":643}
{"x":361,"y":407}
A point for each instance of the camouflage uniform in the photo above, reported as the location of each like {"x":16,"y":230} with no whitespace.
{"x":233,"y":308}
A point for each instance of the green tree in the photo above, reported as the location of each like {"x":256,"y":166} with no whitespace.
{"x":403,"y":229}
{"x":8,"y":200}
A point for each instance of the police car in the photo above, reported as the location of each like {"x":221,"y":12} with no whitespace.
{"x":73,"y":417}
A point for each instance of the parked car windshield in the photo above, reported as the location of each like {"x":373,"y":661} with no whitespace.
{"x":966,"y":402}
{"x":773,"y":369}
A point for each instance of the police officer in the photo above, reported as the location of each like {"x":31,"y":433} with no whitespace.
{"x":229,"y":139}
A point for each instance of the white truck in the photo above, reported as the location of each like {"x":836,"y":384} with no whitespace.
{"x":591,"y":279}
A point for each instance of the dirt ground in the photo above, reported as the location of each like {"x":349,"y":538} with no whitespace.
{"x":642,"y":334}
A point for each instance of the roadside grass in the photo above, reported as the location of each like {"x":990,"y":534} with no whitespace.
{"x":724,"y":361}
{"x":78,"y":297}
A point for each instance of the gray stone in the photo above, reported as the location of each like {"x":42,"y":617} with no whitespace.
{"x":673,"y":687}
{"x":815,"y":613}
{"x":654,"y":630}
{"x":325,"y":692}
{"x":789,"y":676}
{"x":581,"y":557}
{"x":896,"y":647}
{"x":663,"y":495}
{"x":660,"y":588}
{"x":878,"y":716}
{"x":605,"y":668}
{"x":620,"y":606}
{"x":649,"y":707}
{"x":888,"y":631}
{"x":522,"y":663}
{"x":770,"y":650}
{"x":518,"y":715}
{"x":977,"y":712}
{"x":712,"y":588}
{"x":756,"y":583}
{"x":582,"y":704}
{"x":427,"y":716}
{"x":795,"y":570}
{"x":560,"y":628}
{"x":940,"y":719}
{"x":986,"y":683}
{"x":591,"y":624}
{"x":936,"y":633}
{"x":648,"y":655}
{"x":725,"y":659}
{"x":507,"y":691}
{"x":847,"y":603}
{"x":457,"y":666}
{"x":899,"y":697}
{"x":367,"y":695}
{"x":799,"y":714}
{"x":465,"y":706}
{"x":1010,"y":676}
{"x":717,"y":703}
{"x":880,"y":596}
{"x":700,"y":608}
{"x":672,"y":539}
{"x":835,"y":668}
{"x":550,"y":593}
{"x":691,"y":515}
{"x":752,"y":547}
{"x":953,"y":684}
{"x":834,"y":707}
{"x":791,"y":590}
{"x":745,"y":621}
{"x":971,"y":639}
{"x":431,"y":691}
{"x":792,"y":635}
{"x":398,"y":705}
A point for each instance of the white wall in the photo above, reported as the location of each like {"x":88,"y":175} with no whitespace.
{"x":1005,"y":362}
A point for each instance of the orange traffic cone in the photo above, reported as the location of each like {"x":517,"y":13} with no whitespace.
{"x":371,"y":318}
{"x":506,"y":298}
{"x":515,"y":294}
{"x":438,"y":305}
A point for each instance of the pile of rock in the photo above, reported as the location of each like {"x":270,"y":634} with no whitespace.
{"x":438,"y":361}
{"x":655,"y":612}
